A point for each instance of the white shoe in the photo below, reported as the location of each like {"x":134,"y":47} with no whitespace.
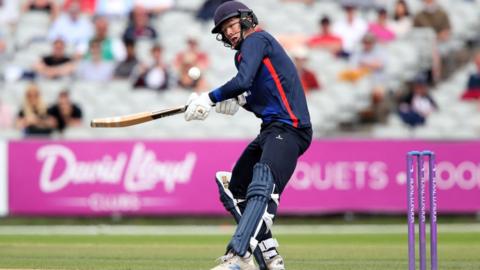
{"x":275,"y":263}
{"x":235,"y":262}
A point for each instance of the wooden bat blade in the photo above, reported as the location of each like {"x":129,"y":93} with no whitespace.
{"x":121,"y":121}
{"x":134,"y":119}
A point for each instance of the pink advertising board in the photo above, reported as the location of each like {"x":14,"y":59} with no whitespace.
{"x":177,"y":177}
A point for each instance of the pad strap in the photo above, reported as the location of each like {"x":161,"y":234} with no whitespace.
{"x":270,"y":254}
{"x":268,"y":244}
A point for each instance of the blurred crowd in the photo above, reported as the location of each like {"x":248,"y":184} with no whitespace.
{"x":83,"y":25}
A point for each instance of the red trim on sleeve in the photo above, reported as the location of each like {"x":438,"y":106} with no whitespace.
{"x":274,"y":74}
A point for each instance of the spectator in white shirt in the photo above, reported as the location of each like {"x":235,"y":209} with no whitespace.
{"x":372,"y":60}
{"x":402,"y":21}
{"x":71,"y":27}
{"x":155,"y":77}
{"x":9,"y":12}
{"x":350,"y":29}
{"x":114,"y":8}
{"x":417,"y":104}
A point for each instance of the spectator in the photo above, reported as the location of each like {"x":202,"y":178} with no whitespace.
{"x":112,"y":49}
{"x":140,"y":27}
{"x":308,"y":78}
{"x":86,"y":6}
{"x":371,"y":58}
{"x":380,"y":29}
{"x":71,"y":27}
{"x":47,"y":6}
{"x":155,"y":7}
{"x":114,"y":8}
{"x":126,"y":68}
{"x":351,"y":29}
{"x":191,"y":64}
{"x":326,"y":39}
{"x":190,"y":72}
{"x":3,"y":48}
{"x":56,"y":65}
{"x":206,"y":11}
{"x":473,"y":85}
{"x":32,"y":118}
{"x":433,"y":16}
{"x":6,"y":115}
{"x":155,"y":77}
{"x":370,"y":61}
{"x":418,"y":104}
{"x":193,"y":48}
{"x":95,"y":68}
{"x":9,"y":12}
{"x":65,"y":112}
{"x":402,"y":21}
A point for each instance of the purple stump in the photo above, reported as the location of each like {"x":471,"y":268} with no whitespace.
{"x":433,"y":211}
{"x":411,"y":208}
{"x":421,"y":213}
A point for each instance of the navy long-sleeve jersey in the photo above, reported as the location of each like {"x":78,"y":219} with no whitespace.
{"x":271,"y":82}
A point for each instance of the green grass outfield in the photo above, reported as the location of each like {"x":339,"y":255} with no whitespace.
{"x":196,"y":247}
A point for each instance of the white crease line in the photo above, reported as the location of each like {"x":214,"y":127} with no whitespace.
{"x":219,"y":230}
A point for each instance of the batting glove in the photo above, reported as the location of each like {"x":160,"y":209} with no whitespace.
{"x":230,"y":106}
{"x":198,"y":107}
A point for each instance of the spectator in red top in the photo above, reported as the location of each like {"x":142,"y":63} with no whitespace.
{"x":86,"y":6}
{"x":308,"y":78}
{"x":326,"y":39}
{"x":379,"y":28}
{"x":473,"y":85}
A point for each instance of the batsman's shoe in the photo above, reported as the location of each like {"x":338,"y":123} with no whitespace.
{"x":235,"y":262}
{"x":275,"y":263}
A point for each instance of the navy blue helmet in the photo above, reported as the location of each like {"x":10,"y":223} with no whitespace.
{"x":232,"y":9}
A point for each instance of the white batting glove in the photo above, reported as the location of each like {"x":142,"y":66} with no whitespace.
{"x":241,"y":99}
{"x":230,"y":106}
{"x":198,"y":107}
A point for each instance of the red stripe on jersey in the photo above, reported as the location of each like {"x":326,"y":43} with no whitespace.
{"x":274,"y":74}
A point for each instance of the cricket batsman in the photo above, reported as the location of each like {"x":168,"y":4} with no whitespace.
{"x":267,"y":84}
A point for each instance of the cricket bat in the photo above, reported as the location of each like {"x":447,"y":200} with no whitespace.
{"x":135,"y":119}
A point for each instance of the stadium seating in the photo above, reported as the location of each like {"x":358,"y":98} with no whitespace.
{"x":336,"y":103}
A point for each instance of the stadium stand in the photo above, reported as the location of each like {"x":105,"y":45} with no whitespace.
{"x":336,"y":105}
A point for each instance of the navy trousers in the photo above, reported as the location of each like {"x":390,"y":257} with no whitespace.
{"x":278,"y":145}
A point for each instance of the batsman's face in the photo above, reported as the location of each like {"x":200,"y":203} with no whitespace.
{"x":232,"y":31}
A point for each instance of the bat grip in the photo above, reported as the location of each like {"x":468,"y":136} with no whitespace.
{"x":164,"y":113}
